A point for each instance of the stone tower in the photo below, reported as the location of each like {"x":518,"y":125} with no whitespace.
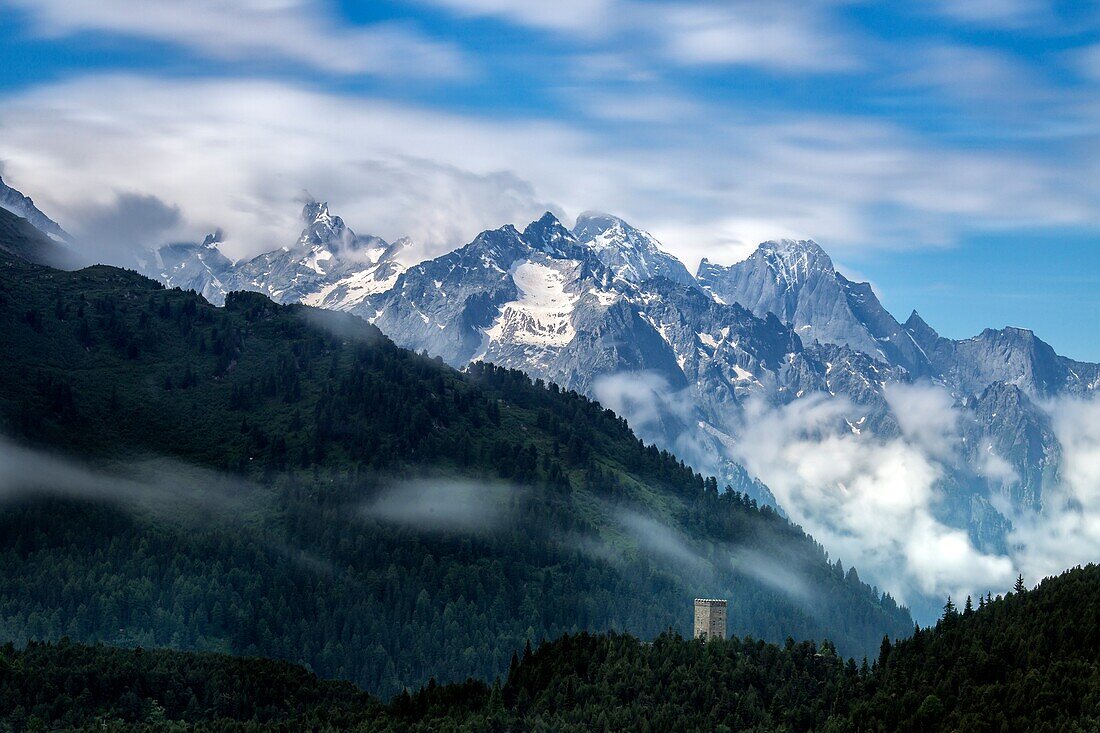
{"x":710,"y":618}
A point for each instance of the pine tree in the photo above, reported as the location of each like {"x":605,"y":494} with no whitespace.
{"x":949,"y":608}
{"x":969,"y":607}
{"x":1019,"y":587}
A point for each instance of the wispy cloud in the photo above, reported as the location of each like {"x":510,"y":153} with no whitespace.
{"x":574,"y":16}
{"x":444,"y":505}
{"x":700,"y":564}
{"x":302,"y":31}
{"x":161,"y":486}
{"x":994,"y":13}
{"x":777,"y":36}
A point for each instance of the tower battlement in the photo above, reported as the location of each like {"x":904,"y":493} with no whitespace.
{"x":710,"y":618}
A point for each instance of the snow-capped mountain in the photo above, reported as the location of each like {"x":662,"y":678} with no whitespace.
{"x":199,"y":267}
{"x":606,"y":319}
{"x":629,"y":253}
{"x":23,"y":206}
{"x":796,"y":281}
{"x":329,"y":266}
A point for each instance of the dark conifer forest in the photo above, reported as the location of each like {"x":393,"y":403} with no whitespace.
{"x":1028,"y":661}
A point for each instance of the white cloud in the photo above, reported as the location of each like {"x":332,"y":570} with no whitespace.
{"x":444,"y":505}
{"x":994,"y":467}
{"x":927,"y":417}
{"x":777,"y":36}
{"x":244,"y":151}
{"x":874,"y":501}
{"x":1067,"y":531}
{"x":644,"y":398}
{"x":869,"y":500}
{"x":1087,"y":61}
{"x":302,"y":31}
{"x":236,"y":154}
{"x":583,"y":16}
{"x":994,"y":13}
{"x":974,"y":74}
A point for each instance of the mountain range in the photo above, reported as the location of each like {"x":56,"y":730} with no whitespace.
{"x":602,"y":309}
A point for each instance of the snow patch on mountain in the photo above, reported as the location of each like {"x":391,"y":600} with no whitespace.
{"x":543,"y":313}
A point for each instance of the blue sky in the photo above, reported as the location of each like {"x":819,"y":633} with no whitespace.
{"x":947,"y":151}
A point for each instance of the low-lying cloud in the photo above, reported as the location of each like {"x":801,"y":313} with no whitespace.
{"x":869,"y":500}
{"x":161,"y":486}
{"x":164,"y":488}
{"x":1067,"y":531}
{"x":121,"y":229}
{"x":701,"y":566}
{"x":662,"y":542}
{"x":444,"y":505}
{"x":878,"y":501}
{"x":655,"y":409}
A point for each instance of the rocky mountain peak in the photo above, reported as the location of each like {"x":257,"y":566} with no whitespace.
{"x":214,"y":239}
{"x":316,"y":212}
{"x":630,"y":253}
{"x":922,"y":334}
{"x":394,"y":251}
{"x":20,"y":205}
{"x":548,"y":234}
{"x":322,"y":228}
{"x":796,"y":280}
{"x":594,"y":226}
{"x":795,"y":260}
{"x":916,"y":323}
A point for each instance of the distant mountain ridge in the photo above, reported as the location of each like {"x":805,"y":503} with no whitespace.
{"x":23,"y":206}
{"x":329,"y":266}
{"x":796,"y":281}
{"x":683,"y":357}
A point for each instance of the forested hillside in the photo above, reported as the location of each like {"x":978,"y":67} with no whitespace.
{"x":279,"y":481}
{"x":1027,"y":662}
